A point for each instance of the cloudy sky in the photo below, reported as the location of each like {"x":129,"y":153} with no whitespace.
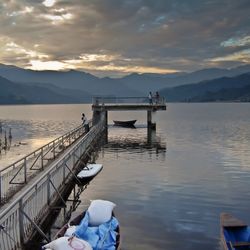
{"x":117,"y":37}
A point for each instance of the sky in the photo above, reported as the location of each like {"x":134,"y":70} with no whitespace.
{"x":118,"y":37}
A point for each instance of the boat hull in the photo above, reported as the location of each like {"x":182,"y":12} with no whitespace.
{"x":88,"y":173}
{"x":235,"y":234}
{"x":130,"y":123}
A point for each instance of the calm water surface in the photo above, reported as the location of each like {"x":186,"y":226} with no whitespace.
{"x":169,"y":187}
{"x":32,"y":126}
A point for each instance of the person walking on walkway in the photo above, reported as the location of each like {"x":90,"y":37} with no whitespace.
{"x":85,"y":123}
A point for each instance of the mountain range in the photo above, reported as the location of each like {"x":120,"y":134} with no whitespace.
{"x":19,"y":85}
{"x":15,"y":93}
{"x":220,"y":89}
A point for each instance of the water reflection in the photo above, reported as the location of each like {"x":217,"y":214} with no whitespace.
{"x":5,"y":140}
{"x":33,"y":125}
{"x":20,"y":137}
{"x":171,"y":186}
{"x":150,"y":143}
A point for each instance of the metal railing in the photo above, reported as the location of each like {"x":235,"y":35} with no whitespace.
{"x":101,"y":100}
{"x":19,"y":219}
{"x":14,"y":176}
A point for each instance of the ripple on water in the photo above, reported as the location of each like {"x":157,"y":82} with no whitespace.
{"x":170,"y":187}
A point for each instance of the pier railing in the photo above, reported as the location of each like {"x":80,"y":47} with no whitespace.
{"x":19,"y":219}
{"x":14,"y":176}
{"x":100,"y":100}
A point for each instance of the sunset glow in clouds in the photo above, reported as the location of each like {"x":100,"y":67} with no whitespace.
{"x":116,"y":37}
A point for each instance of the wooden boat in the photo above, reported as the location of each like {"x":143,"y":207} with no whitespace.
{"x":235,"y":234}
{"x":77,"y":220}
{"x":89,"y":172}
{"x":125,"y":123}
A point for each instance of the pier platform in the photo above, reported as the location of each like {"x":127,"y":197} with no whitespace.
{"x":127,"y":103}
{"x":105,"y":104}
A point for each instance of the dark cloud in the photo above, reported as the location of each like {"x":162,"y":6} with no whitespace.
{"x":164,"y":34}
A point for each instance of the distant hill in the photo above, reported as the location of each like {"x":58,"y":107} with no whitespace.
{"x":14,"y":93}
{"x":154,"y":82}
{"x":74,"y":94}
{"x":241,"y":94}
{"x":71,"y":79}
{"x":221,"y":89}
{"x":130,"y":85}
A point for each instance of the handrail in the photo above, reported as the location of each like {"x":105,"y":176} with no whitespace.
{"x":38,"y":149}
{"x":18,"y":173}
{"x":56,"y":162}
{"x":17,"y":221}
{"x":103,"y":100}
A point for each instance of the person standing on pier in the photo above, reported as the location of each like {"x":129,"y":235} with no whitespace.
{"x":85,"y":123}
{"x":150,"y":98}
{"x":157,"y":97}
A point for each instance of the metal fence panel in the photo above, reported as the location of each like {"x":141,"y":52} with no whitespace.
{"x":17,"y":220}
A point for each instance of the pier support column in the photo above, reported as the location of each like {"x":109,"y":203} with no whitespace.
{"x":106,"y":123}
{"x":96,"y":116}
{"x":151,"y":136}
{"x":151,"y":125}
{"x":149,"y":118}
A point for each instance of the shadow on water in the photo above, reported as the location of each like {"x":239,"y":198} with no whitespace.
{"x":58,"y":216}
{"x":134,"y":143}
{"x":5,"y":138}
{"x":63,"y":210}
{"x":171,"y":200}
{"x":125,"y":126}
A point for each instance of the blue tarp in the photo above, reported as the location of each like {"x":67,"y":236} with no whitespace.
{"x":102,"y":237}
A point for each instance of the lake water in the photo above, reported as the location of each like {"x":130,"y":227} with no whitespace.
{"x":32,"y":126}
{"x":169,"y":187}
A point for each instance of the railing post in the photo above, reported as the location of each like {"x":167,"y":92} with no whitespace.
{"x":62,"y":143}
{"x":0,"y":188}
{"x":25,"y":170}
{"x":21,"y":224}
{"x":42,"y":157}
{"x":54,"y":150}
{"x":74,"y":158}
{"x":64,"y":174}
{"x":48,"y":189}
{"x":70,"y":138}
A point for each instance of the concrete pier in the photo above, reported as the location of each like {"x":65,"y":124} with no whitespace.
{"x":105,"y":104}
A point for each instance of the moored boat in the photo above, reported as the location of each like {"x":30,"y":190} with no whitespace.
{"x":129,"y":123}
{"x":97,"y":228}
{"x":89,"y":172}
{"x":235,"y":234}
